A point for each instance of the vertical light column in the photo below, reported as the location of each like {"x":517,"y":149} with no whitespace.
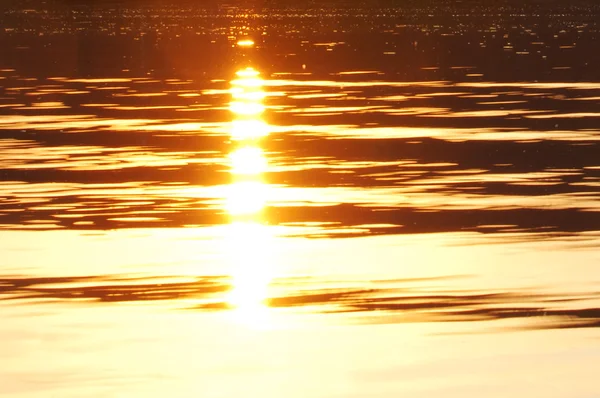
{"x":250,"y":243}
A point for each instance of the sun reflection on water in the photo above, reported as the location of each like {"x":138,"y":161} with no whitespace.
{"x":245,"y":43}
{"x":251,"y":254}
{"x":248,"y":129}
{"x":250,"y":245}
{"x":246,"y":199}
{"x":248,"y":160}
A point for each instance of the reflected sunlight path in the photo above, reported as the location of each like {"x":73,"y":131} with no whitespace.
{"x":249,"y":241}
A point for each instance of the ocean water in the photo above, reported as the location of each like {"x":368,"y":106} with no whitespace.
{"x":300,"y":202}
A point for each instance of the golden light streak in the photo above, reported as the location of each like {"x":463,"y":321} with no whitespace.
{"x":245,"y":43}
{"x":252,"y":265}
{"x":248,"y":72}
{"x":248,"y":160}
{"x":240,"y":94}
{"x":249,"y":241}
{"x":246,"y":198}
{"x":248,"y":82}
{"x":248,"y":129}
{"x":247,"y":108}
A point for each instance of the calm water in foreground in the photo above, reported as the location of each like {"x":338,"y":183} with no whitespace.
{"x":299,"y":203}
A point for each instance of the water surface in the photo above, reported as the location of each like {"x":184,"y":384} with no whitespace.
{"x":299,"y":202}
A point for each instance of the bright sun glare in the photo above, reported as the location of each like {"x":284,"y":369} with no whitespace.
{"x":252,"y":262}
{"x":249,"y":241}
{"x":248,"y":160}
{"x":248,"y":129}
{"x":245,"y":43}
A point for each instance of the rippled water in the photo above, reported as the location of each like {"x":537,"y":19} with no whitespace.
{"x":368,"y":211}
